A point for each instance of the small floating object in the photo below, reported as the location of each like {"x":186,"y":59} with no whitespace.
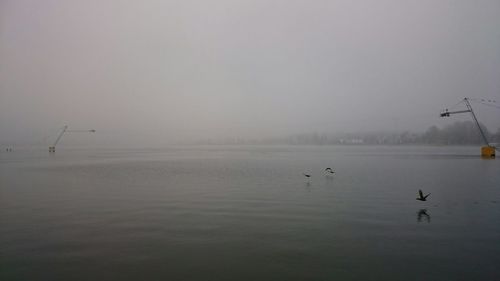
{"x":306,"y":175}
{"x":330,"y":170}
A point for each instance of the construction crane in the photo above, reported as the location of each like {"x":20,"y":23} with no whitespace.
{"x":487,"y":151}
{"x":65,"y":130}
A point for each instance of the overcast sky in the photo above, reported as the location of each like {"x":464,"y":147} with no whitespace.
{"x":183,"y":70}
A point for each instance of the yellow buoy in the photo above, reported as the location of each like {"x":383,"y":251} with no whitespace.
{"x":488,"y":152}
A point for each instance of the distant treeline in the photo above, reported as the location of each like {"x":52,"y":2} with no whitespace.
{"x":458,"y":133}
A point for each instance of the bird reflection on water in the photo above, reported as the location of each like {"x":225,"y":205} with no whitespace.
{"x":422,"y":214}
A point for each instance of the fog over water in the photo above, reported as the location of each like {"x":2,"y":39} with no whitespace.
{"x":279,"y":85}
{"x":155,"y":72}
{"x":248,"y":213}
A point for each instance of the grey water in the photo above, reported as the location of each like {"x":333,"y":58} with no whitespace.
{"x":248,"y":213}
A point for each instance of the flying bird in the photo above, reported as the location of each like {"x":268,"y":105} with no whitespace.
{"x":329,"y":170}
{"x":421,"y":196}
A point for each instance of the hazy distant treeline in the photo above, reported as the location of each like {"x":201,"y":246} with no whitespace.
{"x":458,"y":133}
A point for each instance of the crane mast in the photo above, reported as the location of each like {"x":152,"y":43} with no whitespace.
{"x":60,"y":136}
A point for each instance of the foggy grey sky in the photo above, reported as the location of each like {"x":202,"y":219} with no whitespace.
{"x":182,"y":70}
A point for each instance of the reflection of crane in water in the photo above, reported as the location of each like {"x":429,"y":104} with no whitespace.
{"x":486,"y":151}
{"x":65,"y":130}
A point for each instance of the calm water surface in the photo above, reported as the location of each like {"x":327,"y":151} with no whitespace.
{"x":248,"y":213}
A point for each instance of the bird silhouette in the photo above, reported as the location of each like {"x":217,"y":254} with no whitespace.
{"x":306,"y":175}
{"x":329,"y":170}
{"x":421,"y":196}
